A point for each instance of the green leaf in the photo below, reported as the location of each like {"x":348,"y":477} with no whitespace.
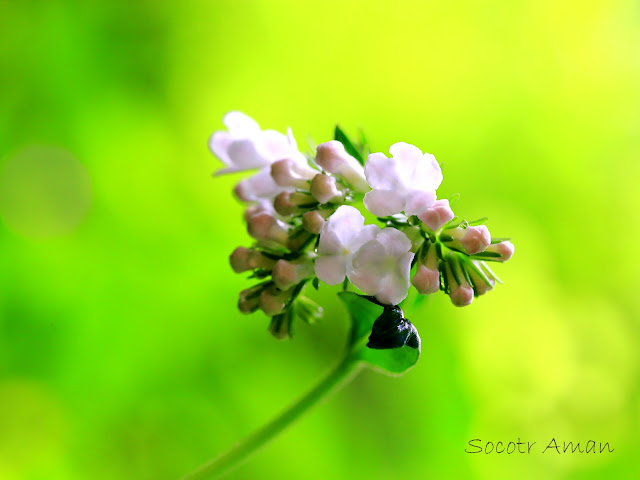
{"x":395,"y":338}
{"x":340,"y":136}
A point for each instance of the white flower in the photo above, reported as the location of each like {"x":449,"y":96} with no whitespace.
{"x":325,"y":189}
{"x":333,"y":158}
{"x":405,"y":182}
{"x":341,"y":235}
{"x":381,"y":266}
{"x":505,"y":249}
{"x":245,"y":146}
{"x":257,"y":187}
{"x":437,"y":215}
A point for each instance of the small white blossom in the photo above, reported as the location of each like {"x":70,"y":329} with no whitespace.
{"x":258,"y":187}
{"x":505,"y":249}
{"x":437,"y":215}
{"x":245,"y":146}
{"x":381,"y":266}
{"x":405,"y":182}
{"x":333,"y":158}
{"x":471,"y":239}
{"x":341,"y":235}
{"x":325,"y":189}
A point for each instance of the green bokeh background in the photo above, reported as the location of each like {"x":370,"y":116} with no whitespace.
{"x":122,"y":355}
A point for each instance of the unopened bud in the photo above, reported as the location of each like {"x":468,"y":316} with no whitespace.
{"x":287,"y":274}
{"x":505,"y":249}
{"x":263,"y":226}
{"x":288,"y":173}
{"x":460,"y":292}
{"x":248,"y":301}
{"x":325,"y":189}
{"x":240,"y":260}
{"x":333,"y":158}
{"x":312,"y":221}
{"x":272,"y":300}
{"x":437,"y":215}
{"x":471,"y":239}
{"x":293,"y":203}
{"x":261,"y":207}
{"x":426,"y":280}
{"x":427,"y":276}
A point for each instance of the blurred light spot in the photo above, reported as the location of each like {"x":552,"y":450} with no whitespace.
{"x":32,"y":427}
{"x":44,"y":191}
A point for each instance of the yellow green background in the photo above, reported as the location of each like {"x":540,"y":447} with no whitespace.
{"x":122,"y":355}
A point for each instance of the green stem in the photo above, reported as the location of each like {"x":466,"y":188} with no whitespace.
{"x":339,"y":376}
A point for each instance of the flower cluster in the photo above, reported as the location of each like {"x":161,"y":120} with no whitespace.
{"x":302,"y":213}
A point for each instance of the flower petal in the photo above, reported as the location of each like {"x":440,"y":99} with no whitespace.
{"x":244,"y":156}
{"x":417,"y":201}
{"x":240,"y":125}
{"x":393,"y":289}
{"x":395,"y":242}
{"x":331,"y":269}
{"x":380,"y":172}
{"x":218,"y":144}
{"x":384,"y":202}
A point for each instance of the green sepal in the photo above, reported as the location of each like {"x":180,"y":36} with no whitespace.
{"x":340,"y":136}
{"x":495,"y":240}
{"x":395,"y":354}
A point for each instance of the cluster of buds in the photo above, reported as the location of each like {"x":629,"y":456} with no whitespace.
{"x":301,"y":213}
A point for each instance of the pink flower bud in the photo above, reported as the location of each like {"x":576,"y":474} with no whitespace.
{"x":289,"y":203}
{"x":262,"y":207}
{"x":240,"y":260}
{"x":471,"y":239}
{"x":505,"y":249}
{"x":333,"y":158}
{"x":248,"y":302}
{"x":312,"y":221}
{"x":427,"y":276}
{"x":272,"y":300}
{"x":287,"y":274}
{"x":325,"y":189}
{"x":437,"y":215}
{"x":461,"y":293}
{"x":426,"y":280}
{"x":288,"y":173}
{"x":263,"y":226}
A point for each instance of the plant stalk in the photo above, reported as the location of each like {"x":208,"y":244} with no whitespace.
{"x":339,"y":376}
